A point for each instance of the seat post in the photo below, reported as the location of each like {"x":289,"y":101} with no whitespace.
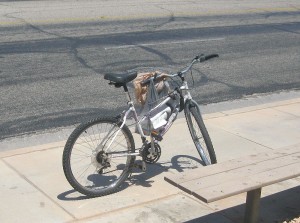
{"x":127,"y":92}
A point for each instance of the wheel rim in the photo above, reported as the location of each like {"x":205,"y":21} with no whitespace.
{"x":91,"y":165}
{"x":200,"y":141}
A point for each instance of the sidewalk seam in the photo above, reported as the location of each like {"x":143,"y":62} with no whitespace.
{"x":250,"y":110}
{"x":207,"y":205}
{"x":124,"y":208}
{"x":13,"y":153}
{"x":250,"y":140}
{"x":38,"y":189}
{"x":285,"y":112}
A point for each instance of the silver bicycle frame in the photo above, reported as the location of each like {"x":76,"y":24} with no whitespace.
{"x":127,"y":113}
{"x":132,"y":112}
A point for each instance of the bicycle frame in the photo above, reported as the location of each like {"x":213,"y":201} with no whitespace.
{"x":186,"y":99}
{"x":131,"y":112}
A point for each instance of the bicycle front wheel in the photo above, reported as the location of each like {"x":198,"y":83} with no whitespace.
{"x":199,"y":134}
{"x":96,"y":157}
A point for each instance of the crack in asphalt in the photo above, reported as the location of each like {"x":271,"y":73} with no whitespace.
{"x":74,"y":42}
{"x":75,"y":48}
{"x":171,"y":18}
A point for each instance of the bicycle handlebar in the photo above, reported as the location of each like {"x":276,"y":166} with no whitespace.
{"x":200,"y":58}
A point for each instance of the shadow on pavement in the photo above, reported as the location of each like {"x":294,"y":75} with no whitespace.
{"x":276,"y":208}
{"x":178,"y":163}
{"x":67,"y":196}
{"x":144,"y":179}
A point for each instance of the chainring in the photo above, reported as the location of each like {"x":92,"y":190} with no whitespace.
{"x":148,"y":156}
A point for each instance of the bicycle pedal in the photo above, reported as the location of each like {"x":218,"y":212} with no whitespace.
{"x":142,"y":166}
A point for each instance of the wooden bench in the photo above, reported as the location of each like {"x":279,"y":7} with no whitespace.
{"x":246,"y":174}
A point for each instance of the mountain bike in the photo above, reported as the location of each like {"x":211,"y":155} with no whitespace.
{"x":100,"y":154}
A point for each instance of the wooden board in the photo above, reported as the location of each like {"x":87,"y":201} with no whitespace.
{"x":240,"y":175}
{"x":231,"y":164}
{"x":246,"y":184}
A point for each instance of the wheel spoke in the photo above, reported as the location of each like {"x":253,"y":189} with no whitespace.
{"x":83,"y":159}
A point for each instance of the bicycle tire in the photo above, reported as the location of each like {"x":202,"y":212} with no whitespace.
{"x":97,"y":177}
{"x":200,"y":134}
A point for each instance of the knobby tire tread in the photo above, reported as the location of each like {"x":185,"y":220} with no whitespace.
{"x":192,"y":110}
{"x":67,"y":153}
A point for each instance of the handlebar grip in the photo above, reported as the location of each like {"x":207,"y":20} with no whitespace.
{"x":211,"y":56}
{"x":201,"y":58}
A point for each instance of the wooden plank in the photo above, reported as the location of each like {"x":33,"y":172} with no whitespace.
{"x":230,"y":165}
{"x":245,"y":184}
{"x":245,"y":171}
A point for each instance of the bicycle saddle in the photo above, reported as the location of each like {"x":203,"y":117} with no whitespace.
{"x":121,"y":78}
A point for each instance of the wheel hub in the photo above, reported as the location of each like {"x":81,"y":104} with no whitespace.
{"x":101,"y":161}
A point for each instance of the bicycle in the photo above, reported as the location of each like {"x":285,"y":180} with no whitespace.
{"x":100,"y":154}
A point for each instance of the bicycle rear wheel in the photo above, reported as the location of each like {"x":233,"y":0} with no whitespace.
{"x":199,"y":134}
{"x":95,"y":157}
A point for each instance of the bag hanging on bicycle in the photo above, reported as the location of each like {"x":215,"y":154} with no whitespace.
{"x":157,"y":106}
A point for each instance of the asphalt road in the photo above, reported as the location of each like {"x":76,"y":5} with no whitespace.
{"x":51,"y":74}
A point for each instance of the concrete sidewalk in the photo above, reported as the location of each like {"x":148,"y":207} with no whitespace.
{"x":34,"y":189}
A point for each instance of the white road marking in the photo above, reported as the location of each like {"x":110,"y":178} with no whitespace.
{"x":163,"y":43}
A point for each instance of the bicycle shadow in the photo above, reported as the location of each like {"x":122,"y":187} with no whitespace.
{"x":96,"y":181}
{"x":73,"y":195}
{"x":178,"y":163}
